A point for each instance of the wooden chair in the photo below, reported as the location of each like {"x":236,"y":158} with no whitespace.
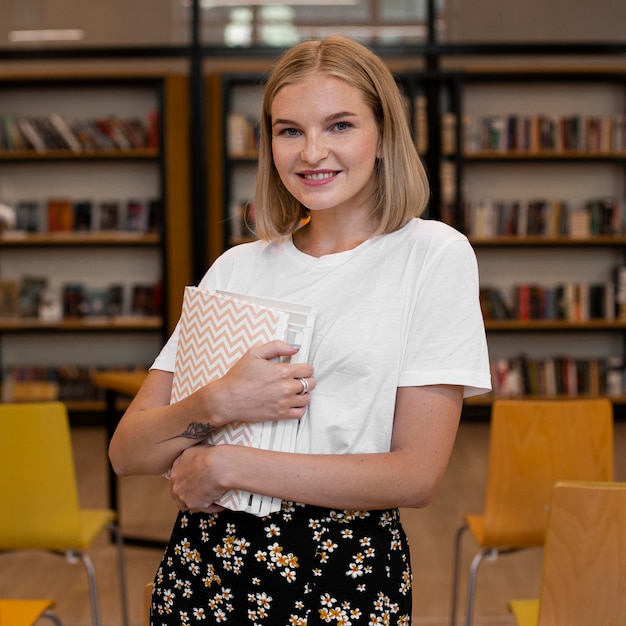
{"x":39,"y":492}
{"x":583,"y":578}
{"x":532,"y":444}
{"x":26,"y":612}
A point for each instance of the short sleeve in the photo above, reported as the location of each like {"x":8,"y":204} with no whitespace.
{"x":447,"y":342}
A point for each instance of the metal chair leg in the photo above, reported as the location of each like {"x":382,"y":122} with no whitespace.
{"x":121,"y":563}
{"x":93,"y":588}
{"x":471,"y":584}
{"x":456,"y":572}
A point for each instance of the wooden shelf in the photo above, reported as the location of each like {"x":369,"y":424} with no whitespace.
{"x":15,"y":239}
{"x":84,"y":155}
{"x":122,"y":323}
{"x":554,"y":325}
{"x":543,"y":155}
{"x":538,"y":240}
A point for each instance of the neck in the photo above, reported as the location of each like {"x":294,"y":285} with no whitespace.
{"x":320,"y":236}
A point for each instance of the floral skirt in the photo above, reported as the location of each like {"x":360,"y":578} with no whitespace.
{"x":302,"y":565}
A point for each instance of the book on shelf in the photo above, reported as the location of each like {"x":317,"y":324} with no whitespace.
{"x":606,"y":216}
{"x":561,"y":375}
{"x":29,"y":216}
{"x":9,"y":298}
{"x":544,"y":217}
{"x":96,"y":301}
{"x":145,"y":299}
{"x":65,"y":131}
{"x":544,"y":133}
{"x":13,"y":138}
{"x":34,"y":139}
{"x":571,"y":302}
{"x":74,"y":300}
{"x":50,"y":305}
{"x":83,"y":215}
{"x":115,"y":300}
{"x":109,"y":216}
{"x":137,"y":216}
{"x":241,"y":135}
{"x":154,"y":129}
{"x":136,"y":131}
{"x":217,"y":329}
{"x":60,"y":215}
{"x":31,"y":288}
{"x":420,"y":124}
{"x":494,"y":305}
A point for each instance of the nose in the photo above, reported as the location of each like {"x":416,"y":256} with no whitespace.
{"x":314,"y":148}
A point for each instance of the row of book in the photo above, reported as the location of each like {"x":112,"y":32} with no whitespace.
{"x":242,"y":135}
{"x":545,"y":217}
{"x":44,"y":383}
{"x":545,"y":133}
{"x":34,"y":297}
{"x":138,"y":215}
{"x":571,"y":302}
{"x":57,"y":132}
{"x":558,"y":376}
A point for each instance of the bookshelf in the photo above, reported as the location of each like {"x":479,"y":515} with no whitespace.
{"x":445,"y":108}
{"x":91,"y":272}
{"x":540,"y":189}
{"x":234,"y":106}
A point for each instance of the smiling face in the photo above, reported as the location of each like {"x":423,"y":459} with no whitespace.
{"x":325,"y":143}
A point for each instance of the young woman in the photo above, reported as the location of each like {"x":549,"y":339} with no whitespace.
{"x":398,"y":342}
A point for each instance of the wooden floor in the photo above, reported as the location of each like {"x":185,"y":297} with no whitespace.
{"x":148,"y":511}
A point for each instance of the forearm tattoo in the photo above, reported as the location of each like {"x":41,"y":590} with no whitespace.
{"x":195,"y":430}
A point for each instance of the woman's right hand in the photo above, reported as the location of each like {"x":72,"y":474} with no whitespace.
{"x":262,"y":387}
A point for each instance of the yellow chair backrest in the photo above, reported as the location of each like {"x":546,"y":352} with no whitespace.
{"x":38,"y":490}
{"x":584,"y":566}
{"x":534,"y":443}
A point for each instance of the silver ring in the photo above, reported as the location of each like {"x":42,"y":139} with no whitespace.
{"x":305,"y":386}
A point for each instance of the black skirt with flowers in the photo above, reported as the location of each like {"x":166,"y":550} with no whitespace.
{"x":301,"y":565}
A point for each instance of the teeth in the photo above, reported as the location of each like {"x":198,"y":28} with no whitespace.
{"x":320,"y":176}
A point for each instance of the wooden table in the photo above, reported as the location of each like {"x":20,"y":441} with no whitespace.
{"x":116,"y":384}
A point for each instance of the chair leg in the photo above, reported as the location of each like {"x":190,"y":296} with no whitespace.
{"x":52,"y":617}
{"x":121,"y":562}
{"x":471,"y":584}
{"x":456,"y":572}
{"x":72,"y":557}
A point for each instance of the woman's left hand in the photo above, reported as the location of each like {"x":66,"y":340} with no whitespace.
{"x":191,"y":484}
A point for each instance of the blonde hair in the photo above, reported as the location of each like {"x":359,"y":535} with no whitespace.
{"x":403,"y":188}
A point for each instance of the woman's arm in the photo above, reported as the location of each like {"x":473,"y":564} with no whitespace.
{"x":425,"y":427}
{"x":152,"y":433}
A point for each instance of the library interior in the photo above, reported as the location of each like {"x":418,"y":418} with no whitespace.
{"x":129,"y":145}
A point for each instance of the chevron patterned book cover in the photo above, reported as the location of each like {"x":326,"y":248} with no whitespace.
{"x":217,"y":329}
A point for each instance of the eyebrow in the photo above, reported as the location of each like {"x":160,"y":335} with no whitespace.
{"x":330,"y":118}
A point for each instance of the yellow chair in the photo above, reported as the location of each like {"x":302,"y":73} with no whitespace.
{"x":39,"y":492}
{"x":26,"y":612}
{"x":532,"y":444}
{"x":583,"y":578}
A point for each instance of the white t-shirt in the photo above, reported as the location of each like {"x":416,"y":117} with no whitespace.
{"x":400,"y":309}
